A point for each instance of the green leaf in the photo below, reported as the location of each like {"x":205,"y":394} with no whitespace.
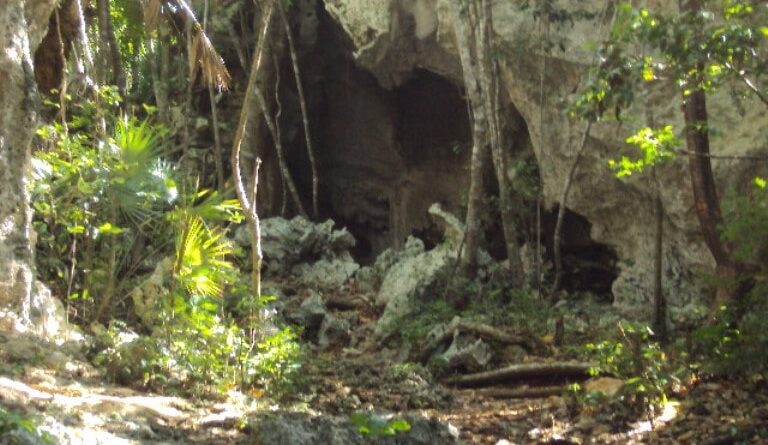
{"x":109,"y":229}
{"x":400,"y":425}
{"x":76,"y":230}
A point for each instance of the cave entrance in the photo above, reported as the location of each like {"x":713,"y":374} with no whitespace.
{"x":588,"y":266}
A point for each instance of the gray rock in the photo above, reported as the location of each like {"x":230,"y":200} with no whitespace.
{"x":334,"y":331}
{"x":369,"y":278}
{"x":310,"y":314}
{"x":303,"y":429}
{"x":147,"y":295}
{"x":466,"y":353}
{"x":405,"y":284}
{"x":314,"y":254}
{"x":325,"y":273}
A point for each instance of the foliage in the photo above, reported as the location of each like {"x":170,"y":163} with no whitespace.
{"x":637,"y":358}
{"x":95,"y":199}
{"x":276,"y":363}
{"x":18,"y":429}
{"x":738,"y":341}
{"x":371,"y":424}
{"x":108,"y":206}
{"x":657,"y":145}
{"x":693,"y":51}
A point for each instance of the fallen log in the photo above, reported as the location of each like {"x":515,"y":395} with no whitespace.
{"x":525,"y":392}
{"x":523,"y":371}
{"x":446,"y":332}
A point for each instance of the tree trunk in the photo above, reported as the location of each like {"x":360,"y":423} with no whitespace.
{"x":557,"y":242}
{"x":110,"y":45}
{"x":489,"y":81}
{"x":473,"y":227}
{"x":705,"y":196}
{"x":23,"y":24}
{"x":248,"y":202}
{"x":659,"y":301}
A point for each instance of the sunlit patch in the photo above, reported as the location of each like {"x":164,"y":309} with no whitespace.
{"x":667,"y":414}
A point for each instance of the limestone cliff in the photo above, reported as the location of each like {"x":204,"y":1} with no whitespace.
{"x":396,"y":41}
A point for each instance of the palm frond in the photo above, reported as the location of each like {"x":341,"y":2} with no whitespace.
{"x":203,"y":54}
{"x":139,"y":182}
{"x":202,"y":262}
{"x":211,"y":64}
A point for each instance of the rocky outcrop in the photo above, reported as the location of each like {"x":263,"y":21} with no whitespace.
{"x":313,"y":254}
{"x":304,"y":429}
{"x":23,"y":24}
{"x":394,"y":39}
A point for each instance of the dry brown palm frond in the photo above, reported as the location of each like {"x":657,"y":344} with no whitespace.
{"x":153,"y":9}
{"x":203,"y":53}
{"x":211,"y":64}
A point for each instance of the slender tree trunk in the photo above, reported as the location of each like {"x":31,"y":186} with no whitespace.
{"x":473,"y":227}
{"x":248,"y":203}
{"x":705,"y":196}
{"x":159,"y":61}
{"x":490,"y":90}
{"x":659,"y":301}
{"x":557,"y":243}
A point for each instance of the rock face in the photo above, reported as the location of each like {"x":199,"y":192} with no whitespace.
{"x":396,"y":40}
{"x":23,"y":24}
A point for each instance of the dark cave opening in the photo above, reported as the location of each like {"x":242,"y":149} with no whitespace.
{"x":588,"y":266}
{"x":384,"y":155}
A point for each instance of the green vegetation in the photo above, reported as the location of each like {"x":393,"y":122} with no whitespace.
{"x":16,"y":429}
{"x":371,"y":424}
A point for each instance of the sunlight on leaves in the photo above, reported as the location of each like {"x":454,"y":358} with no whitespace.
{"x":656,"y":146}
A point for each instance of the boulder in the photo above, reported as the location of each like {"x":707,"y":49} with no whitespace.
{"x":369,"y":278}
{"x":466,"y":353}
{"x":326,"y":274}
{"x":405,"y":284}
{"x":310,"y":315}
{"x":145,"y":296}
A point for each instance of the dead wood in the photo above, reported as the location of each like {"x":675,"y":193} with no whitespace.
{"x":523,"y":392}
{"x":482,"y":330}
{"x":523,"y":371}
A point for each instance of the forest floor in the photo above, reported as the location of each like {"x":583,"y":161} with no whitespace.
{"x":76,"y":405}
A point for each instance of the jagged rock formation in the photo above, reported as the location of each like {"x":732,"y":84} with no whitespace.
{"x":398,"y":42}
{"x":23,"y":24}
